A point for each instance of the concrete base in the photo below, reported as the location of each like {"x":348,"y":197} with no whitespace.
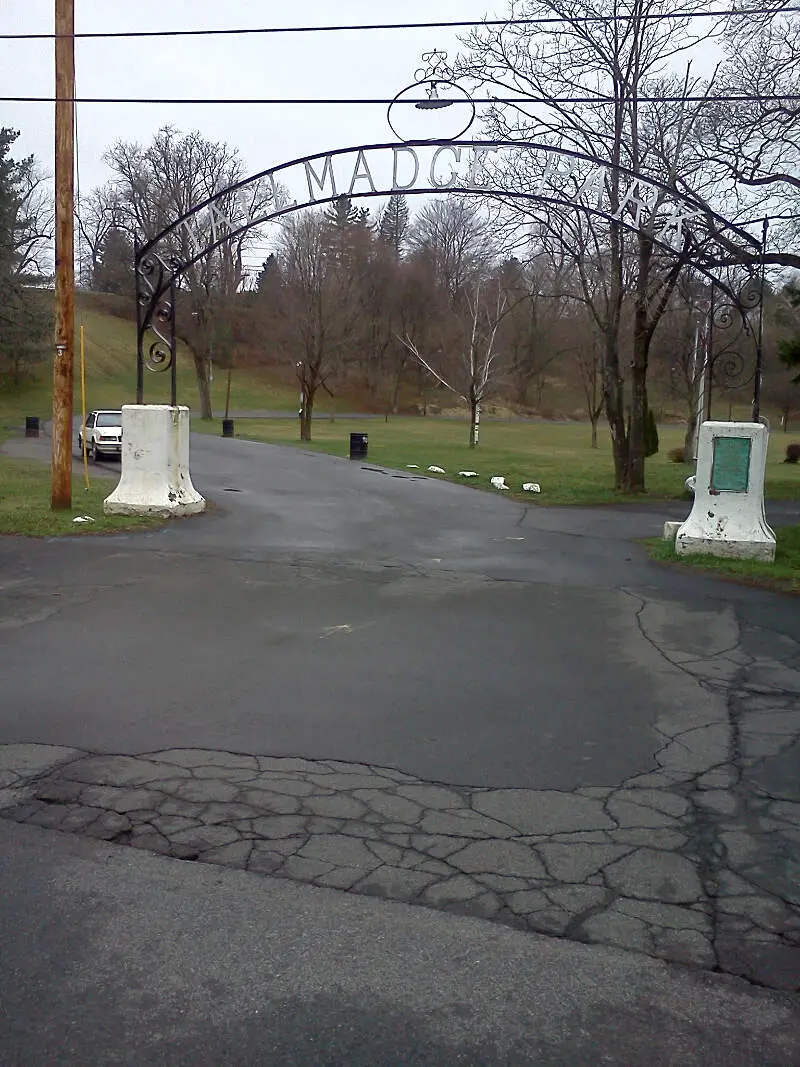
{"x":155,"y":477}
{"x":763,"y":551}
{"x":670,"y":529}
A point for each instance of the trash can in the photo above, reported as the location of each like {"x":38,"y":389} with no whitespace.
{"x":31,"y":426}
{"x":227,"y":427}
{"x":358,"y":445}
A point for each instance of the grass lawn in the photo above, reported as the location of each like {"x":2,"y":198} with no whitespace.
{"x":783,"y":574}
{"x":25,"y":504}
{"x":556,"y":455}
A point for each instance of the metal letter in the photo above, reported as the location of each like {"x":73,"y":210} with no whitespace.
{"x":634,"y":197}
{"x":453,"y":179}
{"x":396,"y":186}
{"x":674,"y":225}
{"x":327,"y":172}
{"x":359,"y":174}
{"x":595,"y":179}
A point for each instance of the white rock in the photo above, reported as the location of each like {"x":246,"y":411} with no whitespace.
{"x":468,"y":474}
{"x":436,"y":470}
{"x":499,"y":482}
{"x":83,"y":518}
{"x":531,"y":487}
{"x":412,"y":466}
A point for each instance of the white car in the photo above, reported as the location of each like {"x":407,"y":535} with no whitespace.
{"x":103,"y":431}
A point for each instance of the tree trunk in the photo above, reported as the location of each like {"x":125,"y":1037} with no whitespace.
{"x":613,"y":389}
{"x":228,"y":392}
{"x":593,"y":420}
{"x":203,"y":386}
{"x":691,"y":429}
{"x":474,"y":423}
{"x":636,"y":435}
{"x":306,"y":413}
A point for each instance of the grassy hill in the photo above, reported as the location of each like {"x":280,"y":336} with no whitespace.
{"x":110,"y":359}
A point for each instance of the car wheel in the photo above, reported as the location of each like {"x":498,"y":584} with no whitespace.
{"x":80,"y":445}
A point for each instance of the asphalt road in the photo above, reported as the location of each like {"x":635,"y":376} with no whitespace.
{"x":594,"y":703}
{"x":331,"y":609}
{"x":112,"y":956}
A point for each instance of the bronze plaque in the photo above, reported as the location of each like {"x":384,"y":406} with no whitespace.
{"x":730,"y":470}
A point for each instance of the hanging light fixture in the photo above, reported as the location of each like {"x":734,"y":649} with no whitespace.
{"x":434,"y":101}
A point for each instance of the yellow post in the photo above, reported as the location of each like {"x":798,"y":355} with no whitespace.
{"x":83,"y":416}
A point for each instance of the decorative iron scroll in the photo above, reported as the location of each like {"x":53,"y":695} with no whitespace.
{"x":730,"y":367}
{"x":155,"y":318}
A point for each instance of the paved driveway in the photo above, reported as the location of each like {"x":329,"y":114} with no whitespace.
{"x":410,"y":689}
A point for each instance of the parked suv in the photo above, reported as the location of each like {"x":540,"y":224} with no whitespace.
{"x":103,"y":434}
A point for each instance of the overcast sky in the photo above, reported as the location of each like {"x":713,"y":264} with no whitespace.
{"x":371,"y":64}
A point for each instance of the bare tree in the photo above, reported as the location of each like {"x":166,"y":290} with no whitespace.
{"x":454,"y":237}
{"x":315,"y":312}
{"x":753,"y":147}
{"x":97,"y":214}
{"x":582,"y":55}
{"x":156,"y":185}
{"x":476,"y":367}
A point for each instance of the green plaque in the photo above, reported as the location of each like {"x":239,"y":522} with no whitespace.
{"x":730,"y":470}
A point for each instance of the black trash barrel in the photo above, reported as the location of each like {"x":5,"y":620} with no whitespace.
{"x":358,"y":445}
{"x":227,"y":427}
{"x":31,"y":425}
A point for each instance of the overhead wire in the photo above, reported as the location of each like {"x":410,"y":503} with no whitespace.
{"x":434,"y":25}
{"x":385,"y":101}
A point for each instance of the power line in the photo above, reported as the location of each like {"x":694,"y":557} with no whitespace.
{"x":377,"y":26}
{"x":385,"y":101}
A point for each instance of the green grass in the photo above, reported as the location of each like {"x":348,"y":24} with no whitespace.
{"x":25,"y":505}
{"x":556,"y":455}
{"x":783,"y":574}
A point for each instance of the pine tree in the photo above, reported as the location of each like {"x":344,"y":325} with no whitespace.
{"x":341,"y":213}
{"x":24,"y":320}
{"x":393,"y":225}
{"x":114,"y":271}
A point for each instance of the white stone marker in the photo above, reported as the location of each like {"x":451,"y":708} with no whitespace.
{"x":155,"y":477}
{"x":727,"y":517}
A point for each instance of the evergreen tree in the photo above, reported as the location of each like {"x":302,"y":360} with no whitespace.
{"x":343,"y":213}
{"x":24,"y":319}
{"x":114,"y":270}
{"x":393,"y":225}
{"x":650,"y":433}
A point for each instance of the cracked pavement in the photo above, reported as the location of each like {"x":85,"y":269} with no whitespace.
{"x":416,"y":692}
{"x":695,"y":861}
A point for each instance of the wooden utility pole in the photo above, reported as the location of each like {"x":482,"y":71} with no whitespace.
{"x":61,"y":495}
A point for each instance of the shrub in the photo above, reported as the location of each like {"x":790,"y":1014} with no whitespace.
{"x":677,"y":455}
{"x":650,"y":433}
{"x":792,"y":453}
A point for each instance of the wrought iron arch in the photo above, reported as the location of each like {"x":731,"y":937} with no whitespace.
{"x":158,"y":270}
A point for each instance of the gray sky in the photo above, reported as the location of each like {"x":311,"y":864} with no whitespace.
{"x":375,"y":64}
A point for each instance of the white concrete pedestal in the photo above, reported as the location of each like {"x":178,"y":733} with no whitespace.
{"x":155,"y":477}
{"x":727,"y":517}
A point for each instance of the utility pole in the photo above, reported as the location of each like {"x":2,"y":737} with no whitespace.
{"x":61,"y":494}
